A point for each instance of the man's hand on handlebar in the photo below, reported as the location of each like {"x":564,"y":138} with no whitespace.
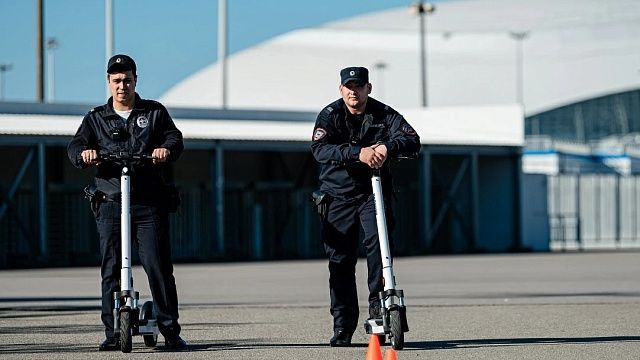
{"x":90,"y":157}
{"x":382,"y":150}
{"x":374,"y":155}
{"x":93,"y":157}
{"x":160,"y":155}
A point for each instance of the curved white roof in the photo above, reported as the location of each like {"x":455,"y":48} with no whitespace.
{"x":574,"y":50}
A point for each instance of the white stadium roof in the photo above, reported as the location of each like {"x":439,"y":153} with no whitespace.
{"x":574,"y":50}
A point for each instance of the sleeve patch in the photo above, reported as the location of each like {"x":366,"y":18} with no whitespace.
{"x":319,"y":133}
{"x":407,"y":129}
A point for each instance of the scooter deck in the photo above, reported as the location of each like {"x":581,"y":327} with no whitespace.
{"x":374,"y":326}
{"x":148,"y":327}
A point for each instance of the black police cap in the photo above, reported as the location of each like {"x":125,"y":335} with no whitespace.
{"x":121,"y":63}
{"x":355,"y":73}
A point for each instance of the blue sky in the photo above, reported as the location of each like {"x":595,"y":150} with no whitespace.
{"x":168,"y":39}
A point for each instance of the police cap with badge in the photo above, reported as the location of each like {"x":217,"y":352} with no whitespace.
{"x":357,"y":74}
{"x":119,"y":63}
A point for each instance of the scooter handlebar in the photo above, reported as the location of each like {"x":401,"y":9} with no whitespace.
{"x":400,"y":157}
{"x":123,"y":156}
{"x":411,"y":156}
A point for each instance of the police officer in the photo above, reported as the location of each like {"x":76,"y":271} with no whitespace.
{"x":137,"y":126}
{"x":352,"y":136}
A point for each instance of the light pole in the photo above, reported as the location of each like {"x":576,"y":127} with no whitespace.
{"x":3,"y":69}
{"x":222,"y":50}
{"x":108,"y":36}
{"x":39,"y":51}
{"x":51,"y":46}
{"x":379,"y":68}
{"x":519,"y":37}
{"x":423,"y":9}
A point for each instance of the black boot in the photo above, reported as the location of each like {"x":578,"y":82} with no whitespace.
{"x":341,"y":338}
{"x":175,"y":342}
{"x":110,"y":344}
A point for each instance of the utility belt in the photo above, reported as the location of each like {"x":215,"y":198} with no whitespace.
{"x":167,"y":197}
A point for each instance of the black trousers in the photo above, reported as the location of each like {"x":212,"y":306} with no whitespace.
{"x":342,"y":228}
{"x":150,"y":234}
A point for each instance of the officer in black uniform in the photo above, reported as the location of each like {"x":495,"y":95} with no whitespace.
{"x":127,"y":123}
{"x":352,"y":136}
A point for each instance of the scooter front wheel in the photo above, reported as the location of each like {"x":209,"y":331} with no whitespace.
{"x":125,"y":332}
{"x":397,"y":335}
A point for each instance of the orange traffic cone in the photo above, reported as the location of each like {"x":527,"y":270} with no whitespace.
{"x":390,"y":354}
{"x":373,"y":351}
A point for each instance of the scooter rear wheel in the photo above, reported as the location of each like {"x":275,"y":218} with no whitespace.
{"x":125,"y":332}
{"x":146,"y":313}
{"x":397,"y":335}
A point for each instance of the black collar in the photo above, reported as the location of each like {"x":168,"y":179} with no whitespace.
{"x":138,"y":105}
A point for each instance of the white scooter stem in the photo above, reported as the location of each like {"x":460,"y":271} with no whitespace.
{"x":381,"y":221}
{"x":126,"y":279}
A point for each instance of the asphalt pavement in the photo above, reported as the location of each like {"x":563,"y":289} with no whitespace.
{"x":512,"y":306}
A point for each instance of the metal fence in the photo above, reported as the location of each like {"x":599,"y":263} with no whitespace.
{"x":260,"y":223}
{"x":263,"y":222}
{"x":594,"y":211}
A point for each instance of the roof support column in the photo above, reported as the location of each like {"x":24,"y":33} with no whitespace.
{"x":42,"y":201}
{"x":217,"y":188}
{"x":518,"y":199}
{"x":425,"y":200}
{"x":475,"y":201}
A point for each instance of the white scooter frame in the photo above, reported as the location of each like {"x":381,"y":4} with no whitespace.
{"x":129,"y":319}
{"x":394,"y":317}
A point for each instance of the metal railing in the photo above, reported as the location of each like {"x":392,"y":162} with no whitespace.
{"x":594,"y":211}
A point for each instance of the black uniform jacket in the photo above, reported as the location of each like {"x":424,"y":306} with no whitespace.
{"x":148,"y":127}
{"x":338,"y":137}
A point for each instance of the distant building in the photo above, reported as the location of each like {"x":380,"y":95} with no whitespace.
{"x":245,"y":179}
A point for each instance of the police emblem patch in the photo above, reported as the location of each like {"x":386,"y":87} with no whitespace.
{"x":142,"y":121}
{"x":319,"y":134}
{"x":407,"y":129}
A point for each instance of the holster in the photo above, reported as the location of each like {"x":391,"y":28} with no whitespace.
{"x":95,"y":197}
{"x":321,"y":202}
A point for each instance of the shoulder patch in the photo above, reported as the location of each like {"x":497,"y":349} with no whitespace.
{"x":407,"y":129}
{"x":329,"y":109}
{"x":319,"y":133}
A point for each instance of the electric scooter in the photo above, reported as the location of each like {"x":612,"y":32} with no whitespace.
{"x":129,"y":319}
{"x":394,"y":315}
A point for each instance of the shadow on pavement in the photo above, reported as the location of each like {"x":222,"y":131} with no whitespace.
{"x":248,"y":344}
{"x":481,"y":343}
{"x":50,"y":329}
{"x":48,"y":299}
{"x":138,"y":347}
{"x":46,"y":348}
{"x":16,"y":307}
